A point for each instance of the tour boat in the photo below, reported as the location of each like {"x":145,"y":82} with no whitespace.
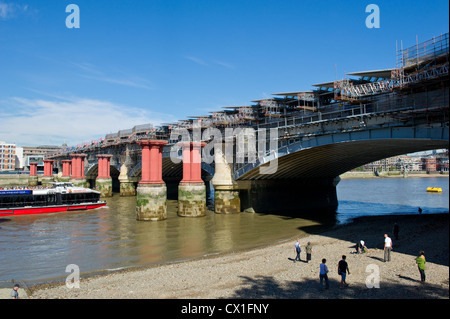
{"x":61,"y":197}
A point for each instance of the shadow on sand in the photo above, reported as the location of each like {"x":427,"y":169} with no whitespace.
{"x":267,"y":287}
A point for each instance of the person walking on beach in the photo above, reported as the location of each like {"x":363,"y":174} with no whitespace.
{"x":323,"y":274}
{"x":342,"y":271}
{"x":14,"y":292}
{"x":396,"y":230}
{"x":420,"y":261}
{"x":308,"y":252}
{"x":298,"y":250}
{"x":387,"y":248}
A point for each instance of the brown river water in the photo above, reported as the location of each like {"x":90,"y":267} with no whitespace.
{"x":38,"y":248}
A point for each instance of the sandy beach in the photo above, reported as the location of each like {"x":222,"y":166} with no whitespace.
{"x":271,"y":272}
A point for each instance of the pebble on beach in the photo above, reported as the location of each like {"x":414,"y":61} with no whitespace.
{"x":271,"y":272}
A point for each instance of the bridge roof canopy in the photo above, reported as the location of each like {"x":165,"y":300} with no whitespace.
{"x":238,"y":107}
{"x":383,"y":73}
{"x":296,"y":93}
{"x":329,"y":85}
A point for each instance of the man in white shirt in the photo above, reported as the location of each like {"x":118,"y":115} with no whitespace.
{"x":387,"y":248}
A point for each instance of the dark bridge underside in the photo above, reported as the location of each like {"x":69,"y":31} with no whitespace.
{"x":332,"y":160}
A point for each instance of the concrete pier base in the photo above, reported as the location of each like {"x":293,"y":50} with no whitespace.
{"x":64,"y":179}
{"x":80,"y":182}
{"x":151,"y":202}
{"x":265,"y":196}
{"x":47,"y":181}
{"x":127,"y":188}
{"x":191,"y":199}
{"x":227,"y":201}
{"x":32,"y":181}
{"x":104,"y":186}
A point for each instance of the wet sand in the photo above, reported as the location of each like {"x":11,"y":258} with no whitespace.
{"x":270,"y":272}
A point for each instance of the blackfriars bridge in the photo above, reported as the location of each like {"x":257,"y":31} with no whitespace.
{"x":282,"y":153}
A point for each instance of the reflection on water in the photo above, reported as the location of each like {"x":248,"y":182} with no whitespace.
{"x":38,"y":248}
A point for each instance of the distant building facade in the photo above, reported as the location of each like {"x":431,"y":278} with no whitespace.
{"x":36,"y":155}
{"x":7,"y":156}
{"x":436,"y":162}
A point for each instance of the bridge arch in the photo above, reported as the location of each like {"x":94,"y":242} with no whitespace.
{"x":329,"y":156}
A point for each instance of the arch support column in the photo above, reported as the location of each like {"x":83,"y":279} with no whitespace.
{"x":192,"y":189}
{"x":104,"y":180}
{"x":151,"y":197}
{"x":226,"y":190}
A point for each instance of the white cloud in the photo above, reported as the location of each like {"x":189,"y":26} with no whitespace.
{"x":225,"y":65}
{"x":196,"y":60}
{"x":9,"y":10}
{"x":75,"y":120}
{"x":93,"y":73}
{"x":205,"y":63}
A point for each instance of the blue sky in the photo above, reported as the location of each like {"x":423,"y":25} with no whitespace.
{"x":135,"y":62}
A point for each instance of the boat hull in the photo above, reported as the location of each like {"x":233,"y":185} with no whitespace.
{"x":49,"y":209}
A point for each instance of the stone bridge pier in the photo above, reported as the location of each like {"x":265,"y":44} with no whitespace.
{"x":226,"y":189}
{"x":77,"y":177}
{"x":151,"y":197}
{"x":104,"y":180}
{"x":265,"y":196}
{"x":47,"y":179}
{"x":66,"y":170}
{"x":192,"y":189}
{"x":33,"y":178}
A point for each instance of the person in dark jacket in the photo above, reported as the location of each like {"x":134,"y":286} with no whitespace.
{"x":342,"y":271}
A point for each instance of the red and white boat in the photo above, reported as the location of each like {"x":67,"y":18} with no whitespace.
{"x":61,"y":197}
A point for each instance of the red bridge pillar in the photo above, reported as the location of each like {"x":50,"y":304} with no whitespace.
{"x":104,"y":180}
{"x":33,"y":169}
{"x":152,"y":191}
{"x":192,"y":189}
{"x":47,"y":179}
{"x":77,"y":177}
{"x":33,"y":178}
{"x":48,"y":168}
{"x":66,"y":170}
{"x":104,"y":166}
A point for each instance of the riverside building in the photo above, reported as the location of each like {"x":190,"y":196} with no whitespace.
{"x":7,"y":156}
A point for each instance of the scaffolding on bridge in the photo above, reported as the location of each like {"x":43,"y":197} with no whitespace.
{"x":422,"y":62}
{"x":418,"y":65}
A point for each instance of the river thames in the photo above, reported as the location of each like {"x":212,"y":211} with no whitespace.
{"x":39,"y":248}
